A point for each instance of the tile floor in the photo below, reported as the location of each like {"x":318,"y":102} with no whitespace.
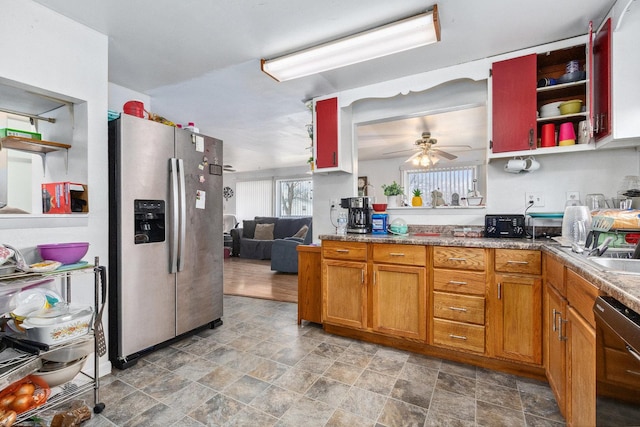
{"x":261,"y":369}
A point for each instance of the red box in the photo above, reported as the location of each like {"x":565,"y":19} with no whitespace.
{"x":64,"y":198}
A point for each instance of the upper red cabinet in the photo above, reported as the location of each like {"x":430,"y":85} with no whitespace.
{"x":331,"y":142}
{"x":514,"y":104}
{"x":326,"y":130}
{"x":526,"y":91}
{"x":601,"y":114}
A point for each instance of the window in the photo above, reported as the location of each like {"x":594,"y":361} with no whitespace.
{"x":279,"y":197}
{"x":449,"y":181}
{"x":294,"y":197}
{"x":254,"y":198}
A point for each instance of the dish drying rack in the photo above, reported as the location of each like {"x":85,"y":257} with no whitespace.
{"x":15,"y":364}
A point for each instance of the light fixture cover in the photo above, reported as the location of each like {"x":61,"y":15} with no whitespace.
{"x":398,"y":36}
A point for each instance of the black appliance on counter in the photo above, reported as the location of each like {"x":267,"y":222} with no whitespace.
{"x":360,"y":212}
{"x":511,"y":226}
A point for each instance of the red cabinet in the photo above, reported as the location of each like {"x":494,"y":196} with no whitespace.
{"x":514,"y":104}
{"x":326,"y":129}
{"x":601,"y":115}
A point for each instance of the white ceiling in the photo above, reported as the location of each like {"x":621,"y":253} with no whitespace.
{"x":199,"y":60}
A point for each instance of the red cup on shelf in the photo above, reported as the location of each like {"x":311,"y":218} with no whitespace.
{"x":548,"y":138}
{"x":567,"y":134}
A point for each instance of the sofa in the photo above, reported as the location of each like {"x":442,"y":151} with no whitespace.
{"x":256,"y":237}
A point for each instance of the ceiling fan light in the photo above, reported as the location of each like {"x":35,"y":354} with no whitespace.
{"x":395,"y":37}
{"x":424,"y":161}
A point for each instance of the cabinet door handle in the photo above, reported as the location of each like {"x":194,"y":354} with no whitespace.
{"x":396,"y":254}
{"x":362,"y":276}
{"x":458,"y":309}
{"x":457,"y":259}
{"x":334,"y":159}
{"x":499,"y":290}
{"x":629,"y":371}
{"x":342,"y":251}
{"x":454,"y":282}
{"x":560,"y":322}
{"x":518,"y":262}
{"x":458,"y":337}
{"x":531,"y":144}
{"x":554,"y":327}
{"x":596,"y":123}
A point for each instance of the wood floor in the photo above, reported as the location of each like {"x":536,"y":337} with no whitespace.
{"x":254,"y":278}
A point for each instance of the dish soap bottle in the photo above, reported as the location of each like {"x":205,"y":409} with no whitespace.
{"x":192,"y":127}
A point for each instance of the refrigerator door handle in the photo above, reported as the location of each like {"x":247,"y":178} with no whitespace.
{"x":173,"y":170}
{"x":183,"y":214}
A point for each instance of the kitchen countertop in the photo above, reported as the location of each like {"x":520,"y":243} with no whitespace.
{"x":623,"y":287}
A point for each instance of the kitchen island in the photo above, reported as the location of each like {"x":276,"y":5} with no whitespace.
{"x":515,"y":305}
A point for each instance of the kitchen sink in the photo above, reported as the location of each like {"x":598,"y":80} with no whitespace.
{"x":617,"y":265}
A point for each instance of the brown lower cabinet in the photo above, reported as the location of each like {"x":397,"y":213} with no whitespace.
{"x":507,"y":309}
{"x":570,"y":342}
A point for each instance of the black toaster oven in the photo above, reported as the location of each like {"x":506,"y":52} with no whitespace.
{"x":504,"y":226}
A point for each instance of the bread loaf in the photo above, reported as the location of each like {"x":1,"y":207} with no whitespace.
{"x":623,"y":219}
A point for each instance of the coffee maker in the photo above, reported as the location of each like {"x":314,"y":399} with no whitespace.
{"x":359,"y":217}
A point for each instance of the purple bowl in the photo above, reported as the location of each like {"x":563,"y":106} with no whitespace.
{"x":66,"y":253}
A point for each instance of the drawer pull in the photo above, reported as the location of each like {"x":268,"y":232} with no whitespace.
{"x":342,"y":251}
{"x":518,"y":262}
{"x":455,"y":282}
{"x":629,"y":371}
{"x":457,"y":259}
{"x":458,"y":309}
{"x":633,"y":352}
{"x":396,"y":254}
{"x":458,"y":337}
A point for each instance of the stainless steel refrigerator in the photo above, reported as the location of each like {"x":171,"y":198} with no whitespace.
{"x":165,"y":236}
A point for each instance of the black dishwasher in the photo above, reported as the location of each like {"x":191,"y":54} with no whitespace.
{"x":617,"y":363}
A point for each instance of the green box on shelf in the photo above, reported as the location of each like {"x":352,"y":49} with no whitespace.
{"x":21,"y":133}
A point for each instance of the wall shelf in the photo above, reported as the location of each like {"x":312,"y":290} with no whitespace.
{"x":36,"y":146}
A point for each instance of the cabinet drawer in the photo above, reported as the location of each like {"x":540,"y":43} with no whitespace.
{"x":400,"y":254}
{"x":460,"y":258}
{"x":458,"y":335}
{"x":462,"y":308}
{"x":466,"y":282}
{"x":344,"y":250}
{"x":554,"y":274}
{"x":518,"y":261}
{"x":581,"y":296}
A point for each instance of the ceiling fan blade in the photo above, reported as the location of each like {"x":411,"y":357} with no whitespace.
{"x":444,"y":154}
{"x":413,"y":156}
{"x":398,"y":151}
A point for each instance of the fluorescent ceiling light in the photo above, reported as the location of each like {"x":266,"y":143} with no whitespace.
{"x":409,"y":33}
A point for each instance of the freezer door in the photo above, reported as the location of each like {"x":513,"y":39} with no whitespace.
{"x":146,"y":289}
{"x":199,"y":278}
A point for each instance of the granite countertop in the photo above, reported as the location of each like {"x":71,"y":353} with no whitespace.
{"x":623,"y":287}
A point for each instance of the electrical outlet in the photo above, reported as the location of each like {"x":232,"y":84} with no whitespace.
{"x":536,"y":198}
{"x":573,"y":195}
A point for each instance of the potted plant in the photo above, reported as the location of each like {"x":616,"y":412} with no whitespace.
{"x":311,"y":164}
{"x":393,"y":191}
{"x":416,"y":200}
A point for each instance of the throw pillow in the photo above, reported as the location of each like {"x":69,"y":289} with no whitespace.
{"x":302,"y":232}
{"x":248,"y":228}
{"x":264,"y":232}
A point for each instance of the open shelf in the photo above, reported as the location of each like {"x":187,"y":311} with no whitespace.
{"x":36,"y":146}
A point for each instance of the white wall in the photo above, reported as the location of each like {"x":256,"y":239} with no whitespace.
{"x":118,"y":95}
{"x":586,"y":172}
{"x":65,"y":59}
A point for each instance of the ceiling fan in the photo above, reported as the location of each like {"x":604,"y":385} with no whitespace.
{"x":426,"y":154}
